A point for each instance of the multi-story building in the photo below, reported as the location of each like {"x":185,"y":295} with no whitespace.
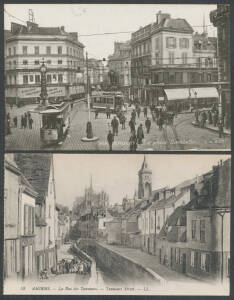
{"x":19,"y":221}
{"x":12,"y":253}
{"x":221,"y":19}
{"x":39,"y":171}
{"x":62,"y":53}
{"x":120,"y":67}
{"x":177,"y":59}
{"x":95,"y":72}
{"x":141,"y":63}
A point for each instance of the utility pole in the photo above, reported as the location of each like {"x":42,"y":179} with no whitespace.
{"x":89,"y":130}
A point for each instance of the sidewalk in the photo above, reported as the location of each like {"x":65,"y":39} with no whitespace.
{"x":149,"y":262}
{"x":213,"y":128}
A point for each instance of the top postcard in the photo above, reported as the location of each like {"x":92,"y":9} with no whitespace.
{"x":108,"y":77}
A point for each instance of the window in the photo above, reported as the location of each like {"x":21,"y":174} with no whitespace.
{"x":199,"y":61}
{"x":193,"y":229}
{"x":25,"y":79}
{"x":54,"y":77}
{"x":202,"y":231}
{"x":48,"y":50}
{"x":49,"y":211}
{"x":157,"y":58}
{"x":171,"y":58}
{"x":10,"y":79}
{"x":158,"y":222}
{"x":31,"y":77}
{"x":48,"y":62}
{"x":9,"y":63}
{"x":14,"y":50}
{"x":67,"y":50}
{"x":184,"y":58}
{"x":25,"y":62}
{"x":14,"y":62}
{"x":157,"y":43}
{"x":60,"y":77}
{"x":49,"y":234}
{"x":37,"y":79}
{"x":36,"y":49}
{"x":9,"y":51}
{"x":205,"y":262}
{"x":25,"y":49}
{"x":60,"y":62}
{"x":184,"y":43}
{"x":15,"y":78}
{"x":48,"y":78}
{"x":25,"y":219}
{"x":104,"y":224}
{"x":59,"y":50}
{"x":36,"y":62}
{"x":171,"y":42}
{"x":192,"y":259}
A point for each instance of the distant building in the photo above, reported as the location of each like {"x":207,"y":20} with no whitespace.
{"x":96,"y":73}
{"x":114,"y":231}
{"x":119,"y":64}
{"x":26,"y":48}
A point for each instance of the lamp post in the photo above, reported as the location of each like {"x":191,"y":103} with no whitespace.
{"x":89,"y":130}
{"x":43,"y":94}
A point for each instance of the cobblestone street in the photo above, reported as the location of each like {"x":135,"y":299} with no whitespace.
{"x":181,"y":136}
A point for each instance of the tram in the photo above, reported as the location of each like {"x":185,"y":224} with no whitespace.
{"x":55,"y":121}
{"x":101,"y":100}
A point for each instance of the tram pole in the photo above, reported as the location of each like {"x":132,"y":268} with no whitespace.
{"x":89,"y":130}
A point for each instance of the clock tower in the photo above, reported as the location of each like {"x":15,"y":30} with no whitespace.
{"x":145,"y":181}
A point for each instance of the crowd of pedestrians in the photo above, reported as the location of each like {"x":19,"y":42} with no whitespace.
{"x":22,"y":122}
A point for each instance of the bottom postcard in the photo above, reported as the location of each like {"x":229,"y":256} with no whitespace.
{"x":117,"y":224}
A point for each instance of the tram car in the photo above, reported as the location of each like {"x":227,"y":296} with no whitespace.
{"x":102,"y":100}
{"x":55,"y":121}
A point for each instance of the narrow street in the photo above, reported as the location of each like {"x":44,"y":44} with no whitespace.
{"x":180,"y":136}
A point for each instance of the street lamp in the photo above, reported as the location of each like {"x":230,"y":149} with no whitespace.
{"x":89,"y":130}
{"x":43,"y":94}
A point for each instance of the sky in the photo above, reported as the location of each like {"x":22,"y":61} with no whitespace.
{"x":117,"y":174}
{"x":106,"y":18}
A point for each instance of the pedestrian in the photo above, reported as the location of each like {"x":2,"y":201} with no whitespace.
{"x":115,"y":125}
{"x":25,"y":120}
{"x":71,"y":105}
{"x":108,"y":112}
{"x":132,"y":125}
{"x":145,"y":112}
{"x":140,"y":134}
{"x":148,"y":124}
{"x":133,"y":114}
{"x":96,"y":113}
{"x":215,"y":118}
{"x":30,"y":122}
{"x":133,"y":141}
{"x":160,"y":122}
{"x":110,"y":139}
{"x":138,"y":111}
{"x":15,"y":120}
{"x":22,"y":121}
{"x":123,"y":121}
{"x":210,"y":117}
{"x":220,"y":126}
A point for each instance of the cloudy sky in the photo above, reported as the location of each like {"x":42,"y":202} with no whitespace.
{"x":89,"y":19}
{"x":117,"y":173}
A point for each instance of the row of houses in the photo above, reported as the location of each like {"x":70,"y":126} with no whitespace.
{"x":186,"y":228}
{"x":34,"y":225}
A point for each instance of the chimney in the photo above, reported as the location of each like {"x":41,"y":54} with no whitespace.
{"x":161,"y":16}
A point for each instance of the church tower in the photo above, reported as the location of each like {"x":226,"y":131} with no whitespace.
{"x":144,"y":181}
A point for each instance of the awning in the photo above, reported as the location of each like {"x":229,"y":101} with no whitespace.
{"x":205,"y":92}
{"x":177,"y":94}
{"x":181,"y":94}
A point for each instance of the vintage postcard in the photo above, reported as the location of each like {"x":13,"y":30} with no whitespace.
{"x":80,"y":224}
{"x":109,"y":77}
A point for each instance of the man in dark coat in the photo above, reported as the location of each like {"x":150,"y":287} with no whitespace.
{"x":123,"y":120}
{"x":115,"y":125}
{"x":133,"y":114}
{"x":22,"y":121}
{"x":25,"y":120}
{"x":220,"y":126}
{"x":133,"y":141}
{"x":132,"y":125}
{"x":148,"y":124}
{"x":30,"y":122}
{"x":140,"y":134}
{"x":108,"y":112}
{"x":110,"y":139}
{"x":15,"y":121}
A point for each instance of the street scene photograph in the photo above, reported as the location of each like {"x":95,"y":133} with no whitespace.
{"x":117,"y":77}
{"x":80,"y":224}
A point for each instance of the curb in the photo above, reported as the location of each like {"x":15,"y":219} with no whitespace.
{"x":211,"y":129}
